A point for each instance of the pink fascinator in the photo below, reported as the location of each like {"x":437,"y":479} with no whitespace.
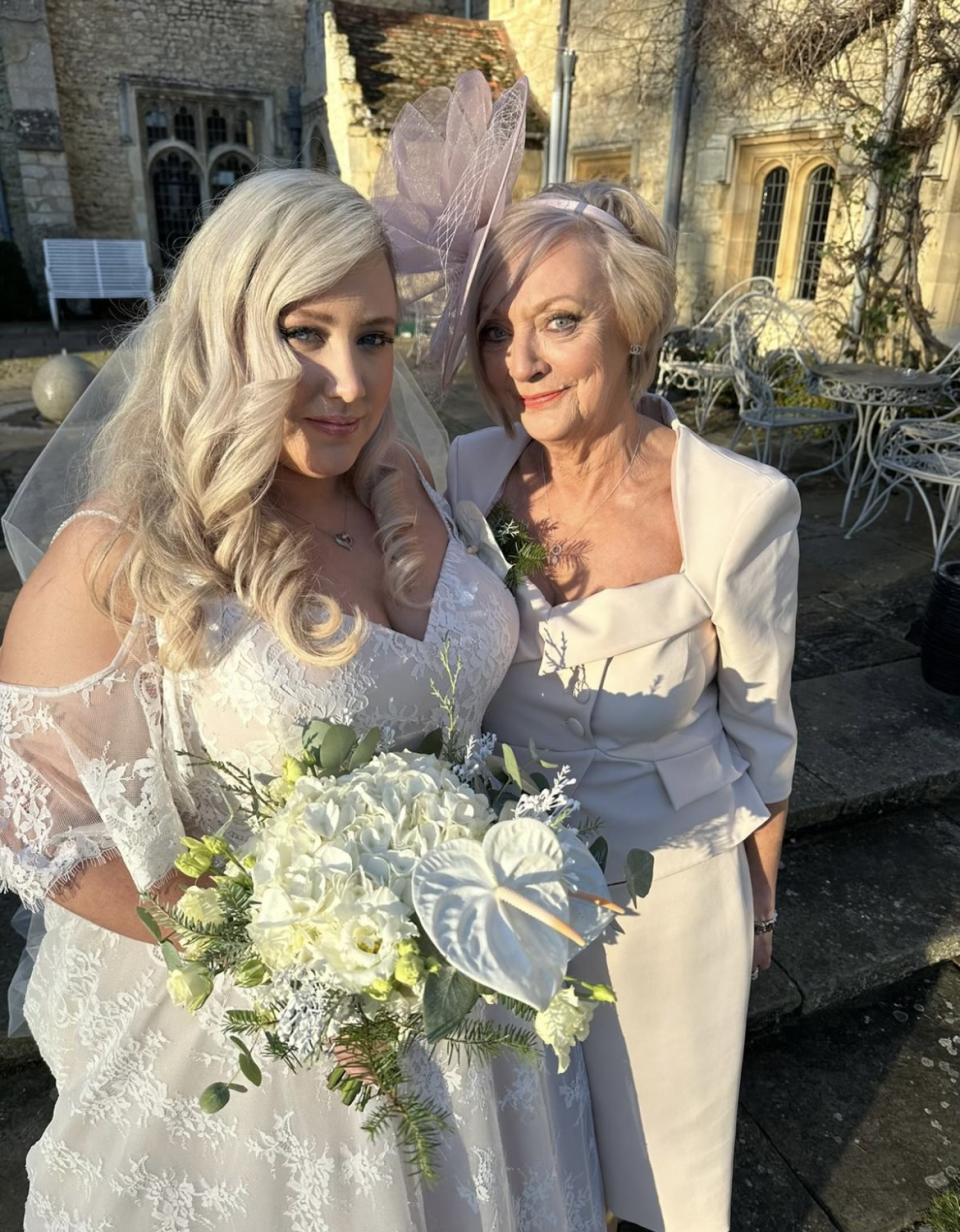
{"x":443,"y":182}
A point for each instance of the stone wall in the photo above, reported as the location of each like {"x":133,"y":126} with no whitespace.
{"x":620,"y":126}
{"x":103,"y":49}
{"x":35,"y":168}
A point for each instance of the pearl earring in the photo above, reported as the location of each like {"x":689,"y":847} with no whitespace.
{"x":636,"y":349}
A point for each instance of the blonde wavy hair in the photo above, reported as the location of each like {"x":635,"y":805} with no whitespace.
{"x":188,"y":459}
{"x":638,"y":265}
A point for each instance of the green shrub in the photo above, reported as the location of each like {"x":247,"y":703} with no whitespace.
{"x":944,"y":1214}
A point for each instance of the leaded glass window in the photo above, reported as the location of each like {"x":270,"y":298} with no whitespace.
{"x":157,"y":127}
{"x":770,"y":223}
{"x":216,"y":129}
{"x":226,"y":171}
{"x":176,"y":200}
{"x":243,"y":130}
{"x":816,"y":218}
{"x":185,"y":127}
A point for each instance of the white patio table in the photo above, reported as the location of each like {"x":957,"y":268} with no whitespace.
{"x":877,"y":394}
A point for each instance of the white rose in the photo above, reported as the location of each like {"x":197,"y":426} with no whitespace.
{"x":189,"y":986}
{"x":360,"y":938}
{"x":201,"y":906}
{"x":565,"y":1022}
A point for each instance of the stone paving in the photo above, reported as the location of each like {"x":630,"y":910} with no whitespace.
{"x":850,"y":1117}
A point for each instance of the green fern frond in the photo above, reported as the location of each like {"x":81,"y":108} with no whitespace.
{"x":524,"y":554}
{"x":478,"y":1041}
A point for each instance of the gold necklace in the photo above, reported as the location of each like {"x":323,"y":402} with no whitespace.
{"x":341,"y":538}
{"x":557,"y":548}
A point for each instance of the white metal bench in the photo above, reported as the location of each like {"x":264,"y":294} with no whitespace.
{"x":96,"y":269}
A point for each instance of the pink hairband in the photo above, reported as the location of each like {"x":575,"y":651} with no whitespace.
{"x":603,"y":217}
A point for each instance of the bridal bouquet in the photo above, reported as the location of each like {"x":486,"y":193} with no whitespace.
{"x":378,"y":899}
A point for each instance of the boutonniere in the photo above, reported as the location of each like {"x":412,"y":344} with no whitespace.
{"x":501,"y":541}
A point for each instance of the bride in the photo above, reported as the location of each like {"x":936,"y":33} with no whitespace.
{"x":255,"y":549}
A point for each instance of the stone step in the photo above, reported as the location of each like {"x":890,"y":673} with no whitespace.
{"x":861,"y":907}
{"x":850,"y":1119}
{"x":872,"y":740}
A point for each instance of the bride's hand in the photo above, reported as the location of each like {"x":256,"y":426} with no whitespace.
{"x":763,"y":951}
{"x":353,"y":1068}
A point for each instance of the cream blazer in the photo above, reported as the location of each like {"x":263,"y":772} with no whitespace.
{"x":669,"y":699}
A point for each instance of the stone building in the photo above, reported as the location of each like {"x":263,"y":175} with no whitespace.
{"x":128,"y":119}
{"x":766,"y":184}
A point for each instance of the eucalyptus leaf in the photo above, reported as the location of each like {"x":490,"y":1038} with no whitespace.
{"x":448,"y":997}
{"x":599,"y":849}
{"x":512,"y":766}
{"x":236,"y":1086}
{"x":638,"y":873}
{"x":250,"y":1069}
{"x":432,"y":743}
{"x":314,"y":733}
{"x":171,"y":955}
{"x":149,"y":923}
{"x":215,"y":1097}
{"x":238,"y":1043}
{"x":365,"y":749}
{"x":336,"y":747}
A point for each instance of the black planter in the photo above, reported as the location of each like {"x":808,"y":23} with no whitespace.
{"x":940,"y":648}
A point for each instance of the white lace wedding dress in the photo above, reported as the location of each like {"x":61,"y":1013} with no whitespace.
{"x":94,"y":768}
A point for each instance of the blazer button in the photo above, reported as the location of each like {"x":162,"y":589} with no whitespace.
{"x":575,"y":726}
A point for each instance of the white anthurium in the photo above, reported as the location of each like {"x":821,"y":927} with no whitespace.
{"x":590,"y":907}
{"x":499,"y":911}
{"x":479,"y":538}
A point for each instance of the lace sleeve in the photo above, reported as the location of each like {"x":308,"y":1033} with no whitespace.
{"x":82,"y":776}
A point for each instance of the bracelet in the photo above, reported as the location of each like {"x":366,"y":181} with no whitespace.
{"x":765,"y":926}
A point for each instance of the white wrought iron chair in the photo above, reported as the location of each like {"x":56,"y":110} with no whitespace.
{"x":696,"y":359}
{"x":769,"y":345}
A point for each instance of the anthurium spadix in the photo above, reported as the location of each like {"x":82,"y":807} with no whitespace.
{"x":501,"y":911}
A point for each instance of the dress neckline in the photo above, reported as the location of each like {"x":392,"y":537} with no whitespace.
{"x":669,"y":419}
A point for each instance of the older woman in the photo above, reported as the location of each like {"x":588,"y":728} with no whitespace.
{"x":654,"y":659}
{"x":256,"y":549}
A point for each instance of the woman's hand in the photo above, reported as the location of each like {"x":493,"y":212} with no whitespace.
{"x":763,"y":849}
{"x":762,"y":952}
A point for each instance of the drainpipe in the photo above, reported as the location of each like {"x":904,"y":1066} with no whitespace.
{"x":569,"y":73}
{"x":682,"y":106}
{"x":554,"y":172}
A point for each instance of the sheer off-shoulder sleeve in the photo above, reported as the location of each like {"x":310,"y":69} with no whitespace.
{"x":83,"y":776}
{"x":755,"y":617}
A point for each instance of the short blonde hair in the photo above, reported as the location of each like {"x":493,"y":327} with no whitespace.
{"x":638,"y":265}
{"x":188,"y":459}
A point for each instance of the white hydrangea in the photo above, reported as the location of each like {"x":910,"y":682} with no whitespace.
{"x":332,"y":867}
{"x":565,"y":1022}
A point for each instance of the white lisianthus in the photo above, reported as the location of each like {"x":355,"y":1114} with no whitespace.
{"x":189,"y":986}
{"x":565,"y":1022}
{"x":201,"y":905}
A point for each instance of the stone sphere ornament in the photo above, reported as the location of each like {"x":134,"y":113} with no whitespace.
{"x":58,"y":383}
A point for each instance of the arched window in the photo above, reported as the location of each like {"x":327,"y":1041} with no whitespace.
{"x":176,"y":201}
{"x":815,"y":219}
{"x":225,"y":172}
{"x":157,"y":127}
{"x":216,"y":129}
{"x":318,"y":152}
{"x":184,"y":126}
{"x":769,"y":224}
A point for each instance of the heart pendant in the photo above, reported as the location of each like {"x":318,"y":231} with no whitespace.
{"x":343,"y":540}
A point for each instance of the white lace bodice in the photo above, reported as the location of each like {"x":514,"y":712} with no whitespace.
{"x":98,"y":766}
